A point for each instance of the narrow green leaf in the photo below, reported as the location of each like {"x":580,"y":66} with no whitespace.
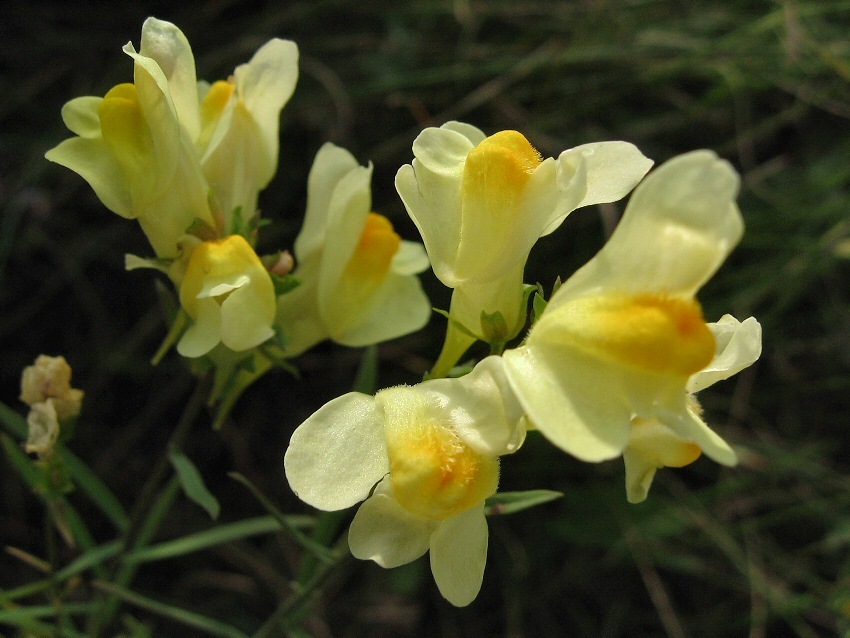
{"x":216,"y":536}
{"x":13,"y":421}
{"x":193,"y":483}
{"x":23,"y":464}
{"x":188,"y":618}
{"x":513,"y":502}
{"x":95,"y":489}
{"x":16,"y":615}
{"x":319,"y":551}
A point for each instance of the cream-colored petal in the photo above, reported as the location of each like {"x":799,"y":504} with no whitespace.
{"x":639,"y":475}
{"x":678,"y":228}
{"x":233,"y":167}
{"x":611,"y":171}
{"x":205,"y":332}
{"x":482,"y":408}
{"x":397,"y":307}
{"x":690,"y":427}
{"x":164,"y":43}
{"x":92,"y":160}
{"x":265,"y":84}
{"x":738,"y":347}
{"x":443,"y":150}
{"x":338,"y":454}
{"x":160,"y":116}
{"x":572,"y":400}
{"x":411,"y":259}
{"x":430,"y":188}
{"x":459,"y":555}
{"x":383,"y":531}
{"x":331,"y":164}
{"x":298,"y":313}
{"x":348,"y":210}
{"x":247,"y":314}
{"x":80,"y":116}
{"x":470,"y":132}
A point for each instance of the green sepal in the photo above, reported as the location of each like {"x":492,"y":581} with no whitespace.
{"x":284,"y":283}
{"x":202,"y":230}
{"x":503,"y":503}
{"x":457,"y":324}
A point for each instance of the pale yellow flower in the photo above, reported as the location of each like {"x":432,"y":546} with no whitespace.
{"x":229,"y":295}
{"x":428,"y":455}
{"x":49,"y":378}
{"x":653,"y":445}
{"x":151,"y":153}
{"x":481,"y":203}
{"x":358,"y":277}
{"x":622,"y":337}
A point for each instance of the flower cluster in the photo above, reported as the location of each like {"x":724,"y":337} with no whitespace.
{"x":188,"y":160}
{"x":609,"y":367}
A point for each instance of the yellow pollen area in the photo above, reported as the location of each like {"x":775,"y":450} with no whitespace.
{"x":212,"y":107}
{"x":434,"y":474}
{"x":657,"y":443}
{"x":213,"y":263}
{"x":215,"y":100}
{"x":499,"y":167}
{"x":375,"y":251}
{"x":123,"y":124}
{"x":652,"y":332}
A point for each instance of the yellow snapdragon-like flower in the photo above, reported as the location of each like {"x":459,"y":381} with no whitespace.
{"x":652,"y":444}
{"x":621,"y":338}
{"x":428,"y":456}
{"x":481,"y":203}
{"x":230,"y":296}
{"x":149,"y":155}
{"x":46,"y":388}
{"x":358,"y":277}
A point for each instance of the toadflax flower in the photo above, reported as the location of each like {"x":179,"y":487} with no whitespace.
{"x":359,"y":283}
{"x":151,"y":153}
{"x":424,"y":458}
{"x":621,"y":338}
{"x":481,"y":203}
{"x":46,"y":388}
{"x":230,"y":296}
{"x":652,"y":444}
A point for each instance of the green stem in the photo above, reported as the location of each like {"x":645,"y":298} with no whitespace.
{"x":290,"y":611}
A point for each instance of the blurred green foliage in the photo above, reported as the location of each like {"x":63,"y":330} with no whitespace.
{"x":759,"y":550}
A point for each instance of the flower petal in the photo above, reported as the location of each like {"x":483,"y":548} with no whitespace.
{"x":80,"y":116}
{"x":347,"y":212}
{"x":738,"y":347}
{"x":692,"y":428}
{"x":164,"y":43}
{"x":568,"y":398}
{"x":678,"y":228}
{"x":338,"y":454}
{"x":92,"y":160}
{"x":483,"y":408}
{"x":383,"y":531}
{"x":459,"y":554}
{"x":265,"y":84}
{"x":397,"y":307}
{"x":411,"y":259}
{"x":204,"y":333}
{"x":331,"y":164}
{"x":611,"y":171}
